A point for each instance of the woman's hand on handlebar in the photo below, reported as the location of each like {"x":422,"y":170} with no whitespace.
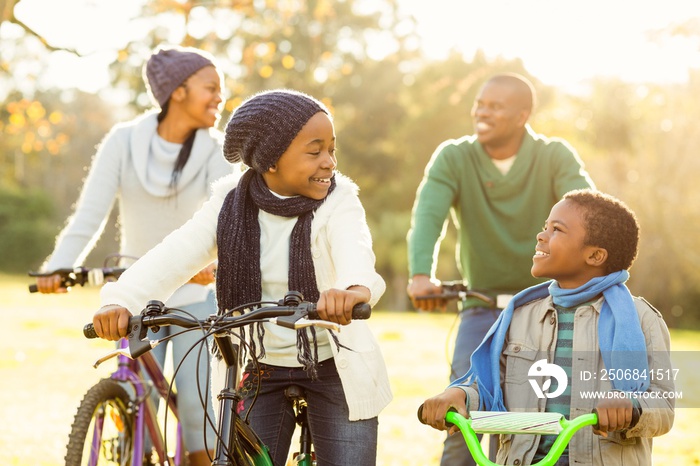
{"x":435,"y":408}
{"x":111,"y":322}
{"x":336,"y":305}
{"x":422,"y":285}
{"x":50,"y":284}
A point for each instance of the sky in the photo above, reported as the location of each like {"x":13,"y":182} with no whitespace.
{"x":562,"y":43}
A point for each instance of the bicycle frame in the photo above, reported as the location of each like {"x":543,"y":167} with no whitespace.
{"x":486,"y":422}
{"x":230,"y":424}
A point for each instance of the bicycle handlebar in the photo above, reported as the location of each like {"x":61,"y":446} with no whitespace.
{"x":291,"y":312}
{"x":458,"y":290}
{"x":499,"y":422}
{"x":82,"y":276}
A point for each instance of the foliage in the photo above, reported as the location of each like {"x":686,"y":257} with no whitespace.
{"x":392,"y":108}
{"x":26,"y":229}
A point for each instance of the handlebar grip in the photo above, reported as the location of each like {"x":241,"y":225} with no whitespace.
{"x":89,"y":331}
{"x":361,"y":311}
{"x":420,"y":414}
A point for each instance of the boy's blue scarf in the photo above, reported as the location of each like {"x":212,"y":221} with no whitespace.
{"x":620,"y":337}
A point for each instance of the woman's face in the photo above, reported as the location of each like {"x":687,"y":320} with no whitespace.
{"x":306,"y":167}
{"x":202,"y":101}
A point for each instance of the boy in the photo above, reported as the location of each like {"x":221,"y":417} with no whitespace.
{"x":587,"y":323}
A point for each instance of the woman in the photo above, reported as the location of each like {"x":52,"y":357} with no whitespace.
{"x":159,"y":168}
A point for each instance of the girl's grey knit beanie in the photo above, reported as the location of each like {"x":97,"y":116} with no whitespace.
{"x":262,"y":128}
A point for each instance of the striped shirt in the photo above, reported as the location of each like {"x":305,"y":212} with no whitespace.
{"x":562,"y":358}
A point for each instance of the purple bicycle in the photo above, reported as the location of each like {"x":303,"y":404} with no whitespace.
{"x":117,"y":421}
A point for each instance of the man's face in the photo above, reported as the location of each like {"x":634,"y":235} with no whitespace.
{"x":499,"y":115}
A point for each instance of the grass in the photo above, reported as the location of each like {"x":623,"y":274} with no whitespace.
{"x":46,"y":367}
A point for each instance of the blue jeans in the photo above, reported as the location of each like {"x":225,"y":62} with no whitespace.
{"x":189,"y":387}
{"x":474,"y":323}
{"x":337,"y":441}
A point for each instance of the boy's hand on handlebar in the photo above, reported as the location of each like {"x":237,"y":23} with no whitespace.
{"x":435,"y":408}
{"x":50,"y":284}
{"x":613,"y":415}
{"x":111,"y":322}
{"x":205,"y":276}
{"x":336,"y":305}
{"x":422,"y":285}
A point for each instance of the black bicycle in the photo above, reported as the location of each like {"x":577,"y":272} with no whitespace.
{"x":236,"y":442}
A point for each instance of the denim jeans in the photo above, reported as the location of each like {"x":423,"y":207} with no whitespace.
{"x":188,"y":386}
{"x":474,"y":323}
{"x":337,"y":441}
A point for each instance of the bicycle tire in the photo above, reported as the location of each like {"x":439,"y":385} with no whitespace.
{"x":106,"y":403}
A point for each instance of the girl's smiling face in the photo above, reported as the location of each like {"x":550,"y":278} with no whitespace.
{"x":306,"y":167}
{"x":561,"y":252}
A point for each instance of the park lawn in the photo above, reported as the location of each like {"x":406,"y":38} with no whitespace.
{"x":46,"y":367}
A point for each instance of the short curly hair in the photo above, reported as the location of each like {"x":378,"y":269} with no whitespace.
{"x":610,"y":224}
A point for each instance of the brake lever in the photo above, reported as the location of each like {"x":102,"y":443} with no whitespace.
{"x":138,"y":343}
{"x":303,"y":323}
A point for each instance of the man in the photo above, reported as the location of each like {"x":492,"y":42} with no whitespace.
{"x":500,"y":185}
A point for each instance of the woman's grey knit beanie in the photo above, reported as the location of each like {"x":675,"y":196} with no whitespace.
{"x":169,"y":67}
{"x":262,"y":128}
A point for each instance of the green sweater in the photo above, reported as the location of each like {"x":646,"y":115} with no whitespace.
{"x":497,"y":216}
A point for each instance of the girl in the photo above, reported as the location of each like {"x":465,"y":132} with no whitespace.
{"x":292,"y":222}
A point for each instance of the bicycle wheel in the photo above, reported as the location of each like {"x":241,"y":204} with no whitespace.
{"x":101,"y":433}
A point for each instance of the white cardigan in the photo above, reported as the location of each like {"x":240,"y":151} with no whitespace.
{"x":341,"y":247}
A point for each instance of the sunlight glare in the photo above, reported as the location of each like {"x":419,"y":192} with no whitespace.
{"x":564,"y":43}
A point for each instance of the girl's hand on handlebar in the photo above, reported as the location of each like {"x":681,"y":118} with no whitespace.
{"x":435,"y":408}
{"x":111,"y":322}
{"x":613,"y":415}
{"x":422,"y":285}
{"x":50,"y":284}
{"x":336,"y":305}
{"x":205,"y":276}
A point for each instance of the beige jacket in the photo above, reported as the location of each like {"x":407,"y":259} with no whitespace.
{"x":532,"y":336}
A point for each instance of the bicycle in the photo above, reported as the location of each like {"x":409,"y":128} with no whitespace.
{"x":499,"y":422}
{"x":118,"y":411}
{"x":236,"y":442}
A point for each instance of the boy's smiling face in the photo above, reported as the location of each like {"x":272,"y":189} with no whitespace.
{"x":561,"y":253}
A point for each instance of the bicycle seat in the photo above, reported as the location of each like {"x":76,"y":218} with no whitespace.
{"x":294,"y":392}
